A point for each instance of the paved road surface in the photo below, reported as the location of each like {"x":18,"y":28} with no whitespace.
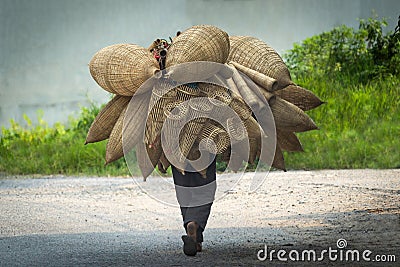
{"x":79,"y":221}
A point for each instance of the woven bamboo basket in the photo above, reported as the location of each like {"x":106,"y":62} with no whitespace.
{"x":254,"y":147}
{"x":163,"y":163}
{"x":240,"y":107}
{"x":268,"y":96}
{"x":303,"y":98}
{"x":214,"y":91}
{"x":288,"y":141}
{"x":257,"y":55}
{"x":186,"y":92}
{"x":233,"y":88}
{"x":159,"y":100}
{"x":268,"y":83}
{"x":279,"y":160}
{"x":289,"y":117}
{"x":114,"y":149}
{"x":217,"y":135}
{"x":176,"y":113}
{"x":253,"y":128}
{"x":199,"y":43}
{"x":122,"y":68}
{"x":135,"y":121}
{"x":147,"y":157}
{"x":199,"y":110}
{"x":154,"y":151}
{"x":105,"y":120}
{"x":236,"y":129}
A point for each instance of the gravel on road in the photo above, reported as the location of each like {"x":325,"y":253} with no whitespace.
{"x":72,"y":221}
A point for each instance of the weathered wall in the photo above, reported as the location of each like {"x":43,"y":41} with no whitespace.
{"x":45,"y":45}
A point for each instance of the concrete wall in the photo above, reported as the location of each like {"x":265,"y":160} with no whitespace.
{"x":45,"y":45}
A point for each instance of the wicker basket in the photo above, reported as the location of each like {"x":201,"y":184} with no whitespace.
{"x":257,"y":55}
{"x":199,"y":43}
{"x":289,"y":117}
{"x":135,"y":121}
{"x":122,"y":68}
{"x":220,"y":138}
{"x":197,"y":115}
{"x":186,"y":92}
{"x":159,"y":100}
{"x":104,"y":122}
{"x":300,"y":97}
{"x":114,"y":149}
{"x":288,"y":141}
{"x":240,"y":107}
{"x":236,"y":129}
{"x":175,"y":113}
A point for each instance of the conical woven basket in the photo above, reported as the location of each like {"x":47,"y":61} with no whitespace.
{"x":288,"y":141}
{"x":159,"y":100}
{"x":134,"y":122}
{"x":105,"y":120}
{"x":147,"y":158}
{"x":279,"y":161}
{"x":300,"y":97}
{"x":253,"y":128}
{"x":219,"y":98}
{"x":114,"y":149}
{"x":257,"y":55}
{"x":236,"y":129}
{"x":198,"y":112}
{"x":254,"y":147}
{"x":199,"y":43}
{"x":241,"y":108}
{"x":122,"y":68}
{"x":218,"y":136}
{"x":289,"y":117}
{"x":175,"y":113}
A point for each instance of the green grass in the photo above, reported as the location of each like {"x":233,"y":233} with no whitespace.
{"x":56,"y":150}
{"x":359,"y":125}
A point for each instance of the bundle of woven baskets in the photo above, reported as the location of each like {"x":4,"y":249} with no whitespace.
{"x":257,"y":75}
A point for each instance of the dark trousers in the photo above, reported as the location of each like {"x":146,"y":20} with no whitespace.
{"x":195,"y":196}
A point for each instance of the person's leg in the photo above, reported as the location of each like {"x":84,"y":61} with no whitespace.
{"x":195,"y":195}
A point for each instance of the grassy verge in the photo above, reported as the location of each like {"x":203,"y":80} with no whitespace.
{"x":359,"y":126}
{"x":56,"y":150}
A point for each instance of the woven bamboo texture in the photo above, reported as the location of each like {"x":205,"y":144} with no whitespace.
{"x":122,"y":68}
{"x":257,"y":55}
{"x":254,"y":76}
{"x":303,"y":98}
{"x":288,"y":141}
{"x":289,"y":117}
{"x":199,"y":43}
{"x":104,"y":122}
{"x":114,"y":149}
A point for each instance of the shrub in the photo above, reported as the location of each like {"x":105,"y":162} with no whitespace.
{"x":363,"y":54}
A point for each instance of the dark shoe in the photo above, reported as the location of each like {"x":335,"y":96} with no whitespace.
{"x":199,"y":247}
{"x":189,"y":245}
{"x":190,"y":240}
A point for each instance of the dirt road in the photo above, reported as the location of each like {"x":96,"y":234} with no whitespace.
{"x":70,"y":221}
